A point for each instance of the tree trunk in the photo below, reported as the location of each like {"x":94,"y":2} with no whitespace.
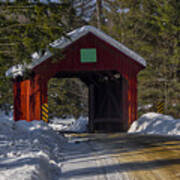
{"x":99,"y":13}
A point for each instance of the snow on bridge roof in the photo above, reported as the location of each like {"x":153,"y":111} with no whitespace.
{"x":72,"y":37}
{"x":80,"y":32}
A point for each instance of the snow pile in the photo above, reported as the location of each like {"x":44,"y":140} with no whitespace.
{"x":154,"y":123}
{"x":59,"y":124}
{"x":79,"y":126}
{"x":28,"y":150}
{"x":15,"y":71}
{"x":70,"y":125}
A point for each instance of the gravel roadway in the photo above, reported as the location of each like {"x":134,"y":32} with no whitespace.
{"x":120,"y":157}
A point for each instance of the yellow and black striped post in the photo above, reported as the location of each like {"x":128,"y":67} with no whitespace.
{"x":160,"y":107}
{"x":44,"y":112}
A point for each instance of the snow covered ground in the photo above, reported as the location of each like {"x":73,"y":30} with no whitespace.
{"x":33,"y":150}
{"x":29,"y":150}
{"x":154,"y":123}
{"x":59,"y":124}
{"x":70,"y":125}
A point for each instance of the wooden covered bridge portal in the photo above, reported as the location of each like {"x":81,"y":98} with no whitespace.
{"x":108,"y":68}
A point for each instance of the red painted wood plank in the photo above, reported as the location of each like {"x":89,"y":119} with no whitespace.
{"x":29,"y":95}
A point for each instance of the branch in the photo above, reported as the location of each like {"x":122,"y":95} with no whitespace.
{"x":23,"y":25}
{"x":8,"y":44}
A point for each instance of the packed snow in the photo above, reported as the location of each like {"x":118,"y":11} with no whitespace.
{"x":70,"y":125}
{"x":154,"y":123}
{"x":29,"y":150}
{"x":33,"y":150}
{"x":79,"y":126}
{"x":59,"y":124}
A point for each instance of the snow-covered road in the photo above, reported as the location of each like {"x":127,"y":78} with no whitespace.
{"x":36,"y":151}
{"x":121,"y":157}
{"x":86,"y":160}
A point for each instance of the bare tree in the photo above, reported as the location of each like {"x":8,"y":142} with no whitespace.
{"x":99,"y":13}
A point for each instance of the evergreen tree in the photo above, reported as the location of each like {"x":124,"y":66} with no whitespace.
{"x":67,"y":97}
{"x":151,"y":28}
{"x":27,"y":27}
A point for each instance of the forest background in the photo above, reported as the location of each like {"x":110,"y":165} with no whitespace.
{"x":149,"y":27}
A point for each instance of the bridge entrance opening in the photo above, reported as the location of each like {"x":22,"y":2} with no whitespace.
{"x":67,"y":98}
{"x":98,"y":95}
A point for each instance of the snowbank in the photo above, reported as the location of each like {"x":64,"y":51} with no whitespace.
{"x":59,"y":124}
{"x":28,"y":150}
{"x":154,"y":123}
{"x":70,"y":125}
{"x":79,"y":126}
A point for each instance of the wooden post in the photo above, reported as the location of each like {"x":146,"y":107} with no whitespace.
{"x":44,"y":100}
{"x":38,"y":96}
{"x":132,"y":100}
{"x":44,"y":90}
{"x":125,"y":104}
{"x":91,"y":107}
{"x":29,"y":95}
{"x":17,"y":102}
{"x":21,"y":100}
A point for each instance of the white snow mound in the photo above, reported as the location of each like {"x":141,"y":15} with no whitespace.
{"x":28,"y":150}
{"x":70,"y":124}
{"x":59,"y":124}
{"x":79,"y":126}
{"x":154,"y":123}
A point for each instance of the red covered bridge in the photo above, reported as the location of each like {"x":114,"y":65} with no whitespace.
{"x":107,"y":67}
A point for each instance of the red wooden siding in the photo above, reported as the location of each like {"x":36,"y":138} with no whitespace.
{"x":108,"y":58}
{"x":21,"y":100}
{"x":29,"y":95}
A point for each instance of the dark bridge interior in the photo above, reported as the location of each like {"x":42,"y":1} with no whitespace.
{"x":107,"y":98}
